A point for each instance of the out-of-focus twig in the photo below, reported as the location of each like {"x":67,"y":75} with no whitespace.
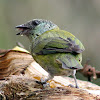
{"x":98,"y":74}
{"x":20,"y":44}
{"x":89,"y":71}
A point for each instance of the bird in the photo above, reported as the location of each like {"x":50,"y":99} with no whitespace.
{"x":58,"y":51}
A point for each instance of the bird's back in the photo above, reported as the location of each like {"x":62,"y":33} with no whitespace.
{"x":57,"y":41}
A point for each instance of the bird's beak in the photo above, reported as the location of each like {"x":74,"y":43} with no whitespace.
{"x":23,"y":29}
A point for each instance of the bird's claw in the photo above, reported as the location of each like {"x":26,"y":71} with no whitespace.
{"x":43,"y":83}
{"x":73,"y":86}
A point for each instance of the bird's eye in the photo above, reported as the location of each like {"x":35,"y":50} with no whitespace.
{"x":35,"y":23}
{"x":37,"y":35}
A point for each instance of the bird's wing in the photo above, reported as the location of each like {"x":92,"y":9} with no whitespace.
{"x":70,"y":61}
{"x":57,"y":41}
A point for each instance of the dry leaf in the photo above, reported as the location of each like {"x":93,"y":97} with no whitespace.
{"x":17,"y":48}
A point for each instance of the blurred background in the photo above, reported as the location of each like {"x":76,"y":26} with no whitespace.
{"x":80,"y":17}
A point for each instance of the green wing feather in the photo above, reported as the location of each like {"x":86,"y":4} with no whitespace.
{"x":70,"y":61}
{"x":57,"y":41}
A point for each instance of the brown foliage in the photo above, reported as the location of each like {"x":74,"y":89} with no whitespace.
{"x":89,"y":71}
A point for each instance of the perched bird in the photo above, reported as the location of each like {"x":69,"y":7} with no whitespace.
{"x":57,"y":51}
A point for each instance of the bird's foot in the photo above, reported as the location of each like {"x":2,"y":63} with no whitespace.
{"x":77,"y":86}
{"x":73,"y":86}
{"x":43,"y":83}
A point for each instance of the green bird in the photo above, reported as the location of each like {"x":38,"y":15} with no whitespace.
{"x":57,"y":51}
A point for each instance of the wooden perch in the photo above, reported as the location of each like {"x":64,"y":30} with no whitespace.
{"x":20,"y":73}
{"x":13,"y":63}
{"x":25,"y":88}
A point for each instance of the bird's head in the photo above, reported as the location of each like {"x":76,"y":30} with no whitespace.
{"x":35,"y":27}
